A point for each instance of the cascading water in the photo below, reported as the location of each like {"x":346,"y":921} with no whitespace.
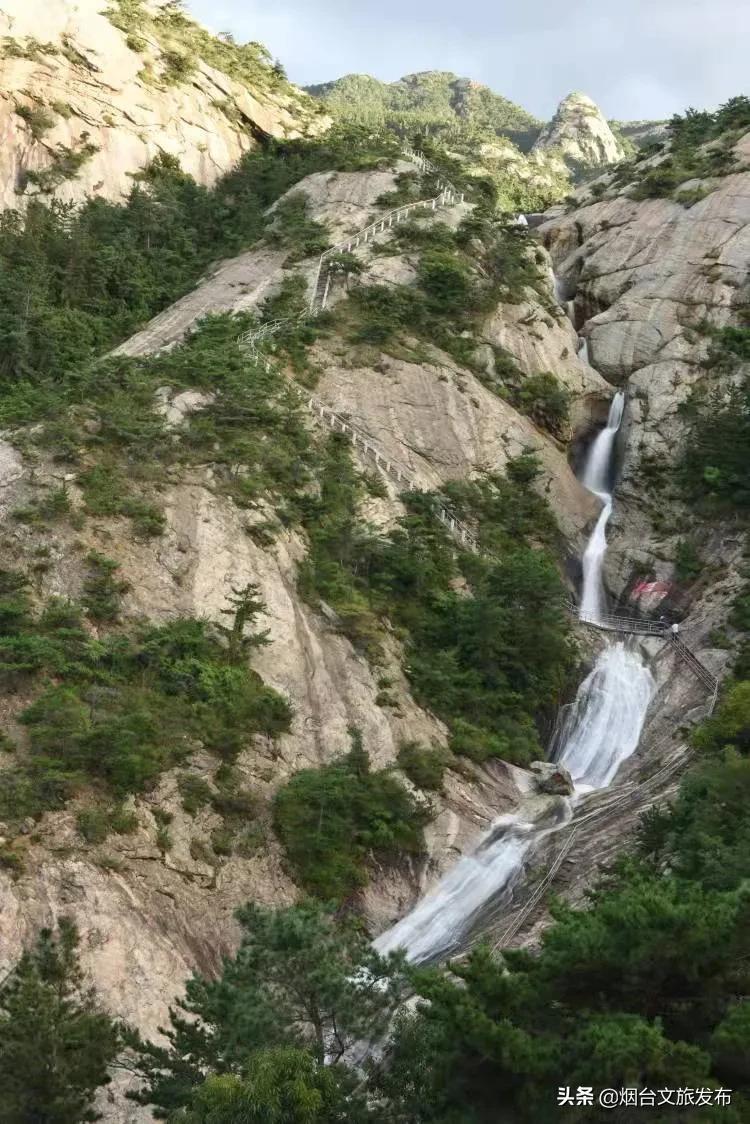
{"x":601,"y":728}
{"x":561,"y":290}
{"x":435,"y":926}
{"x":596,"y":477}
{"x":599,"y":731}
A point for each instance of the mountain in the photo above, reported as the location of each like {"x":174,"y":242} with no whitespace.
{"x":285,"y":598}
{"x":101,"y":90}
{"x":580,"y":133}
{"x":432,"y":99}
{"x":640,"y":133}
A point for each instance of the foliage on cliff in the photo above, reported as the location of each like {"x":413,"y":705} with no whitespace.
{"x":490,"y":663}
{"x":115,"y":711}
{"x":302,"y":990}
{"x":75,"y":280}
{"x":644,"y":988}
{"x":431,"y":102}
{"x":699,"y":146}
{"x":715,"y":465}
{"x":337,"y":821}
{"x":56,"y":1043}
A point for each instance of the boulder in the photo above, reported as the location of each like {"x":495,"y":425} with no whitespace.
{"x":552,"y":779}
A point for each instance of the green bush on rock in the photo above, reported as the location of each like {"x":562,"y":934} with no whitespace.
{"x":334,"y":821}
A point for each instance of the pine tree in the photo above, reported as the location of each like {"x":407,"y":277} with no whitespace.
{"x":300,"y":979}
{"x":245,"y":606}
{"x":55,"y":1041}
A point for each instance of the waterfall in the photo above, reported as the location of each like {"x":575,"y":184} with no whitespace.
{"x":561,"y":296}
{"x":437,"y":923}
{"x":596,"y":477}
{"x":583,"y":351}
{"x":599,"y":731}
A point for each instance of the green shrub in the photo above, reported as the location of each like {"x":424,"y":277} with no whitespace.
{"x":194,"y":792}
{"x":334,"y":820}
{"x":222,"y":841}
{"x":177,"y":67}
{"x":105,"y":492}
{"x":125,"y":708}
{"x":102,"y":590}
{"x":11,"y":860}
{"x":688,"y":563}
{"x":293,"y":229}
{"x":54,"y":505}
{"x":38,"y":119}
{"x":424,"y":767}
{"x":544,"y":400}
{"x":96,"y":823}
{"x":714,"y":465}
{"x":446,"y":281}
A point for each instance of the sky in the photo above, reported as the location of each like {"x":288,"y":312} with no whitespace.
{"x":636,"y":58}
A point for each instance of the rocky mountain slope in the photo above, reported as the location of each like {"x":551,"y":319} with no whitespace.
{"x":656,"y":281}
{"x":149,"y":912}
{"x":580,"y":133}
{"x":90,"y":93}
{"x":149,"y":502}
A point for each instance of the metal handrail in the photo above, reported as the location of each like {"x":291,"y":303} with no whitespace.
{"x":321,"y":285}
{"x":700,"y":670}
{"x":610,"y":622}
{"x":616,"y":623}
{"x":535,"y":898}
{"x":389,"y":466}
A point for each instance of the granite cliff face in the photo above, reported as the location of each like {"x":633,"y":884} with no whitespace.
{"x":648,"y":276}
{"x":90,"y":93}
{"x":580,"y":133}
{"x":148,"y":917}
{"x":645,"y":275}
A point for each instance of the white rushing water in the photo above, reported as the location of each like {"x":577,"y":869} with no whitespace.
{"x":596,"y":477}
{"x":599,"y":731}
{"x":437,"y":923}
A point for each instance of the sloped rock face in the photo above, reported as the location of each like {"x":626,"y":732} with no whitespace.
{"x":647,"y":276}
{"x":80,"y":81}
{"x":579,"y":131}
{"x":148,"y":918}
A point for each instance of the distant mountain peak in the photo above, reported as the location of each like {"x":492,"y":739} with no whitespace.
{"x":580,"y":131}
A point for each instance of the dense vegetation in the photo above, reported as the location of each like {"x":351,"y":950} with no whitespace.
{"x":55,"y":1042}
{"x":336,"y":821}
{"x":74,"y":280}
{"x":715,"y":467}
{"x":430,"y":102}
{"x":173,"y":46}
{"x":645,"y":988}
{"x":489,"y":664}
{"x":700,"y":146}
{"x":489,"y":133}
{"x":114,"y":712}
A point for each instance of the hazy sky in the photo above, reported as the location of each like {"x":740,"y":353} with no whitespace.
{"x":637,"y":58}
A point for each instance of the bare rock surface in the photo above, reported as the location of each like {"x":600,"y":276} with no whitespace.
{"x":441,"y":423}
{"x":580,"y":132}
{"x":101,"y":87}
